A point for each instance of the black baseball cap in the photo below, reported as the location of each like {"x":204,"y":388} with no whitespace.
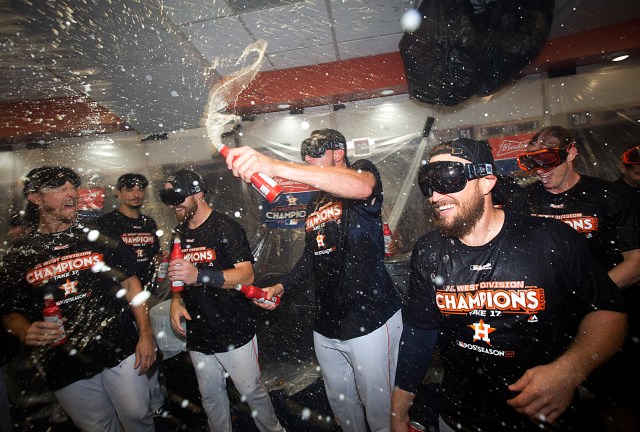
{"x":185,"y":183}
{"x":475,"y":151}
{"x":131,"y":180}
{"x":51,"y":177}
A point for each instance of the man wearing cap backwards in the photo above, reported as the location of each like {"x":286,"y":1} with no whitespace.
{"x":221,"y":333}
{"x":520,"y":308}
{"x":137,"y":232}
{"x":605,"y":216}
{"x":98,"y":374}
{"x":357,"y":318}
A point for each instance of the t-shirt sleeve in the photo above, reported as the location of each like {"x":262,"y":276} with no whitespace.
{"x":625,"y":220}
{"x":15,"y":295}
{"x":373,"y":204}
{"x":592,"y":284}
{"x":237,"y":243}
{"x":421,"y":309}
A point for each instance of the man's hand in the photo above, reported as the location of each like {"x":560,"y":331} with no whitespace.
{"x":177,"y":311}
{"x":244,"y":162}
{"x":545,"y":392}
{"x":41,"y":333}
{"x":401,"y":401}
{"x":181,"y":270}
{"x":272,"y":291}
{"x":145,"y":353}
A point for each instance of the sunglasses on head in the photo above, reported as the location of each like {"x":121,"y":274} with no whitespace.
{"x":317,"y":147}
{"x":544,"y":160}
{"x":449,"y":177}
{"x":172,"y":197}
{"x":631,"y":156}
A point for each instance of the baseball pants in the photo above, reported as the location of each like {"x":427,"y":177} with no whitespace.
{"x":113,"y":397}
{"x":242,"y":366}
{"x":359,"y":375}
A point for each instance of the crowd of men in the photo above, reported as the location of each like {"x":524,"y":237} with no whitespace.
{"x":531,"y":306}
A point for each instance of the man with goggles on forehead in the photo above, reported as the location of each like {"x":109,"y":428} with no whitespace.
{"x":358,"y":320}
{"x":607,"y":219}
{"x":507,"y":365}
{"x":221,"y":332}
{"x":98,"y":374}
{"x":629,"y":180}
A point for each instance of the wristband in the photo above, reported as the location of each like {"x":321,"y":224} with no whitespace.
{"x":212,"y":278}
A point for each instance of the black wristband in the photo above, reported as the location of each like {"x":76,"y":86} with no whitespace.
{"x":212,"y":278}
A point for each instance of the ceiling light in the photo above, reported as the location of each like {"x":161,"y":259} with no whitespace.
{"x":386,"y":92}
{"x":284,"y":106}
{"x":618,"y":56}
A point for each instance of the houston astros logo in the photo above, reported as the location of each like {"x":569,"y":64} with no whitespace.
{"x":482,"y":331}
{"x":69,"y":287}
{"x":320,"y":240}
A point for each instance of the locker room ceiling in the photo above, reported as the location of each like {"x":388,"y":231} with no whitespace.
{"x":145,"y":60}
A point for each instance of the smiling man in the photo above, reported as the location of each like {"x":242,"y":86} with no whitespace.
{"x":98,"y":373}
{"x":520,"y":308}
{"x":607,"y":218}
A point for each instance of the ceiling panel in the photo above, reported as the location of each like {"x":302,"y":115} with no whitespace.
{"x":185,"y":12}
{"x":359,"y":20}
{"x":303,"y":57}
{"x":368,"y":47}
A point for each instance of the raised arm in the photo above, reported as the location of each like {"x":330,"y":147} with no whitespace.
{"x":339,"y":181}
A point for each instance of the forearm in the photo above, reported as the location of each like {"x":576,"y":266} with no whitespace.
{"x":600,"y":335}
{"x":242,"y":273}
{"x":140,"y":311}
{"x":627,"y":272}
{"x":338,"y":181}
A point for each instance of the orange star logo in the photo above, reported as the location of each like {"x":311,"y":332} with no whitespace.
{"x":69,"y":287}
{"x":482,"y":331}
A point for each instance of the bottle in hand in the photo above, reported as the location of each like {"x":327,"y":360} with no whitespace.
{"x":52,"y":313}
{"x":176,"y":253}
{"x":255,"y":293}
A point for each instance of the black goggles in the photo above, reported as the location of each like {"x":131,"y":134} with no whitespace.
{"x":448,"y":177}
{"x":543,"y":160}
{"x":173,"y":197}
{"x":631,"y":156}
{"x":52,"y":178}
{"x":316,"y":148}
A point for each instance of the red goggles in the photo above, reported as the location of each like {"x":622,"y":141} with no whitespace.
{"x":631,"y":156}
{"x":544,"y":160}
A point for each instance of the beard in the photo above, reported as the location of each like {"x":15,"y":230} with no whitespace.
{"x":189,"y":211}
{"x":134,"y":206}
{"x":461,"y":225}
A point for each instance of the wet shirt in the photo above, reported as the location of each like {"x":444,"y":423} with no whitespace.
{"x":83,"y":278}
{"x":344,"y":250}
{"x":221,"y":318}
{"x":595,"y":208}
{"x":140,"y":235}
{"x":503,"y":307}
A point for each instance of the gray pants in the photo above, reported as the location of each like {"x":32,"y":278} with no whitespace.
{"x":115,"y":397}
{"x":242,"y":366}
{"x":359,"y":375}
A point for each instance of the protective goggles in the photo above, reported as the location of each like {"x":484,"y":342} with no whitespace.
{"x":173,"y":197}
{"x":449,"y":177}
{"x":544,"y":160}
{"x":52,"y":178}
{"x":631,"y":156}
{"x":316,"y":148}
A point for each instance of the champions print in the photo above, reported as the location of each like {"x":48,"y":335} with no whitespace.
{"x":63,"y":266}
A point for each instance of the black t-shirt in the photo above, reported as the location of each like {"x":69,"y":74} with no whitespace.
{"x":597,"y":209}
{"x":138,"y":234}
{"x":221,"y":318}
{"x":83,"y":277}
{"x":503,"y":307}
{"x":344,"y":250}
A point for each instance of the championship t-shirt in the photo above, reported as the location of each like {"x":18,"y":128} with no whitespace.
{"x":344,"y":243}
{"x":83,"y":278}
{"x":504,"y":307}
{"x":595,"y":208}
{"x":140,"y":235}
{"x":222,"y":319}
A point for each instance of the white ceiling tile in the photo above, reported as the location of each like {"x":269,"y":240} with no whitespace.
{"x":184,"y":12}
{"x":300,"y":25}
{"x":368,"y":47}
{"x":356,"y":19}
{"x":224,"y":38}
{"x":303,"y":57}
